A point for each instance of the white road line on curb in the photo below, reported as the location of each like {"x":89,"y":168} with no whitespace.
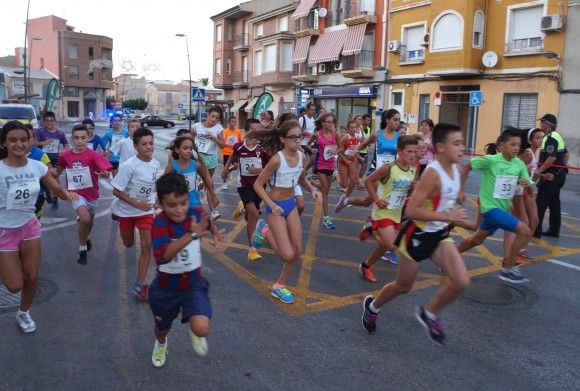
{"x":74,"y":222}
{"x":565,"y":264}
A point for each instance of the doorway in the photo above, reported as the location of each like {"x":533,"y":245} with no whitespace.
{"x":455,"y":109}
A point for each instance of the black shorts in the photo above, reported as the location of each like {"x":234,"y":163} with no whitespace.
{"x":226,"y":157}
{"x":115,"y":165}
{"x":325,"y":172}
{"x":416,"y":244}
{"x":248,"y":195}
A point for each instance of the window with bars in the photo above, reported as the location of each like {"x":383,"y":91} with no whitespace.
{"x":520,"y":110}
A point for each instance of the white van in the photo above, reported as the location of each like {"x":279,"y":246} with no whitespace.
{"x":19,"y":112}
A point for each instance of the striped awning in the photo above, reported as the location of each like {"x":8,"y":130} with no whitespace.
{"x":301,"y":50}
{"x":328,"y":46}
{"x":239,"y":105}
{"x":303,"y":9}
{"x":354,"y":39}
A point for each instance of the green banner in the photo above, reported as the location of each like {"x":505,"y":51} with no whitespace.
{"x":51,"y":93}
{"x":262,"y":104}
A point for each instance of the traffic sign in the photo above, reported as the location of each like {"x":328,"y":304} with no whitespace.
{"x":475,"y":98}
{"x":198,"y":94}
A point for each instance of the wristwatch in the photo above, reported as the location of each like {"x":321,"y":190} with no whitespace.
{"x":193,"y":235}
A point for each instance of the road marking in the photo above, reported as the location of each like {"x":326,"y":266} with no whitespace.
{"x":73,"y":222}
{"x":565,"y":264}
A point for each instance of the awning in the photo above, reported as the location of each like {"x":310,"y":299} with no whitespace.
{"x":251,"y":105}
{"x":354,"y":39}
{"x":303,"y":9}
{"x":239,"y":104}
{"x":328,"y":46}
{"x":301,"y":50}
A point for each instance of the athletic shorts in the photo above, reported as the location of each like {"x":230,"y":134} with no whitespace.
{"x":343,"y":162}
{"x":416,"y":244}
{"x":12,"y":238}
{"x":115,"y":165}
{"x":325,"y":172}
{"x":166,"y":304}
{"x":90,"y":205}
{"x":384,"y":223}
{"x":210,"y":161}
{"x":287,"y":206}
{"x":495,"y":219}
{"x":140,"y":222}
{"x":249,"y":195}
{"x":225,"y":157}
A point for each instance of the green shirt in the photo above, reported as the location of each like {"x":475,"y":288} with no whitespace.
{"x":499,"y":180}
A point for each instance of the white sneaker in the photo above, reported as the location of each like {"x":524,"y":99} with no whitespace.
{"x":224,"y":187}
{"x":199,"y":344}
{"x":159,"y":354}
{"x":215,"y":214}
{"x":27,"y":325}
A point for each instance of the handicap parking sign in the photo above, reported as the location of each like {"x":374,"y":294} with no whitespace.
{"x":475,"y":98}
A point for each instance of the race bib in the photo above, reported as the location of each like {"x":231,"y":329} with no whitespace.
{"x":52,"y":147}
{"x":191,"y":180}
{"x":287,"y":179}
{"x":22,"y":194}
{"x":231,"y":140}
{"x":384,"y":158}
{"x":397,"y":199}
{"x":141,"y":190}
{"x":187,"y":260}
{"x":505,"y":187}
{"x":249,"y":162}
{"x":79,"y":178}
{"x":116,"y":138}
{"x":329,"y":152}
{"x":203,"y":144}
{"x":349,"y":152}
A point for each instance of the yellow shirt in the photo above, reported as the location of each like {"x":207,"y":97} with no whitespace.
{"x":395,"y":192}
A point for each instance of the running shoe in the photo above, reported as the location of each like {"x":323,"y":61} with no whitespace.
{"x":89,"y":245}
{"x":159,"y":354}
{"x":369,"y":318}
{"x":525,"y":256}
{"x":141,"y":291}
{"x":82,"y":260}
{"x":215,"y":214}
{"x":433,"y":326}
{"x":283,"y":294}
{"x":342,"y":203}
{"x":238,"y":211}
{"x":27,"y":325}
{"x":512,"y":274}
{"x":366,"y":231}
{"x":367,"y":273}
{"x":254,"y":255}
{"x":199,"y":344}
{"x":328,"y":223}
{"x":259,"y":235}
{"x":391,"y":257}
{"x":224,"y":186}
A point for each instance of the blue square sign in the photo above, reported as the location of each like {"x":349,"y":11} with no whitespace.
{"x":475,"y":98}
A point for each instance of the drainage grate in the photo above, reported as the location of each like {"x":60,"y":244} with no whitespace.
{"x":498,"y":294}
{"x":9,"y":301}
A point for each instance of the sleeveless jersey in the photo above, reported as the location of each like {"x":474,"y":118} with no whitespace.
{"x":386,"y":150}
{"x":395,"y":192}
{"x":287,"y":177}
{"x":190,"y":175}
{"x":326,"y":151}
{"x":350,"y":146}
{"x":249,"y":157}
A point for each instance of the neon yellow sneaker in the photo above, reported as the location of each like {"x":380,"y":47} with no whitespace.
{"x":159,"y":354}
{"x":239,"y":211}
{"x":254,"y":255}
{"x":199,"y":344}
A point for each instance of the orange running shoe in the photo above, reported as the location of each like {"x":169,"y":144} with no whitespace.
{"x":367,"y":273}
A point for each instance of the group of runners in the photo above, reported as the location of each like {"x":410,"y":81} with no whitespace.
{"x":414,"y":189}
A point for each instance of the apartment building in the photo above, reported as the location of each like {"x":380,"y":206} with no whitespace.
{"x":129,"y":86}
{"x":167,"y":99}
{"x":253,"y":47}
{"x":440,"y":51}
{"x":339,"y":56}
{"x":82,"y":61}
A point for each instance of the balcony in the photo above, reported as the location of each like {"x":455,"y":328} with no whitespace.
{"x":359,"y":65}
{"x":410,"y":57}
{"x":359,"y":11}
{"x":242,"y":42}
{"x":241,"y":79}
{"x":307,"y":25}
{"x":305,"y":73}
{"x":534,"y":45}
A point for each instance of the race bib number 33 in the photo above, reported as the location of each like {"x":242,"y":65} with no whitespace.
{"x":505,"y":187}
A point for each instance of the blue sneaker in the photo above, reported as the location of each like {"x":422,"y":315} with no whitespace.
{"x":258,"y":237}
{"x":283,"y":294}
{"x":513,"y":275}
{"x":391,"y":256}
{"x":328,"y":223}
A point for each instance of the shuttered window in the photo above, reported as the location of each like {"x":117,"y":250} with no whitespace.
{"x":520,"y":110}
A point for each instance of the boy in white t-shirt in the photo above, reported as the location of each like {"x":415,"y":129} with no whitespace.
{"x":134,"y":187}
{"x":125,"y":148}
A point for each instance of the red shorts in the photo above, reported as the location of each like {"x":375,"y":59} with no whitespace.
{"x":384,"y":223}
{"x":141,"y":222}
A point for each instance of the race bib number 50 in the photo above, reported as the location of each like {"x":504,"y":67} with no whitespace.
{"x":141,"y":190}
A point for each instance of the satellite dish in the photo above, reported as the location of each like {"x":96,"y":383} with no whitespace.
{"x":322,"y":12}
{"x":489,"y":59}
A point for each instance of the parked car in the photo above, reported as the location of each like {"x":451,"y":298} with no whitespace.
{"x":155,"y":120}
{"x":19,"y":112}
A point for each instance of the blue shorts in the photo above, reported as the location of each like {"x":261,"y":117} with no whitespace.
{"x":495,"y":219}
{"x":287,"y":206}
{"x":166,"y":304}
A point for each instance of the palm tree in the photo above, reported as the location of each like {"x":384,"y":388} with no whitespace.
{"x":204,"y":81}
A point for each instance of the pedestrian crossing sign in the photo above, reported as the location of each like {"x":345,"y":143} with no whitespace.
{"x":198,"y":94}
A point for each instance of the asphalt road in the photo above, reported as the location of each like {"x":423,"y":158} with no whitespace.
{"x":92,"y":334}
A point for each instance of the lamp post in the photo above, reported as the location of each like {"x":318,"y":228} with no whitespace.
{"x":24,"y":54}
{"x":189,"y":67}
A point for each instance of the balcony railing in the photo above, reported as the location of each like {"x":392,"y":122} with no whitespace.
{"x":241,"y":77}
{"x":309,"y":22}
{"x":415,"y":56}
{"x":304,"y":72}
{"x":363,"y":60}
{"x":525,"y":45}
{"x":242,"y":41}
{"x":358,"y":7}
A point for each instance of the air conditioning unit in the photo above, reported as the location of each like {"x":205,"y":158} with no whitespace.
{"x":338,"y":66}
{"x":394,"y":46}
{"x":552,"y":23}
{"x":321,"y":68}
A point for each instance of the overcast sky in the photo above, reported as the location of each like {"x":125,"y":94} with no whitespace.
{"x":143,"y":32}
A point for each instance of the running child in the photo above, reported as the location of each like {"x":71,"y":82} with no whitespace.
{"x":133,"y":208}
{"x":180,"y":133}
{"x":348,"y":159}
{"x":432,"y":210}
{"x":232,"y":135}
{"x":114,"y":135}
{"x":124,"y":148}
{"x":19,"y":229}
{"x":95,"y":143}
{"x":83,"y":168}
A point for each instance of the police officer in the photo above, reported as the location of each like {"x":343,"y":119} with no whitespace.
{"x":553,"y":157}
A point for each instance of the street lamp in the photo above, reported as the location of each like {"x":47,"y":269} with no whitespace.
{"x":189,"y":66}
{"x":24,"y":54}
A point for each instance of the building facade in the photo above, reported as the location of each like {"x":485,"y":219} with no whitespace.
{"x":82,"y":61}
{"x":128,"y":86}
{"x":440,"y":51}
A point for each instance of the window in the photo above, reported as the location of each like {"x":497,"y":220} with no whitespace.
{"x":218,"y":66}
{"x":286,"y":57}
{"x":71,"y":91}
{"x":447,"y":32}
{"x":218,"y":33}
{"x":259,"y":30}
{"x":72,"y":109}
{"x":257,"y":63}
{"x":168,"y":99}
{"x":424,"y":103}
{"x":73,"y":71}
{"x":519,"y":110}
{"x":91,"y":53}
{"x":413,"y":39}
{"x":335,"y":12}
{"x":73,"y":52}
{"x":230,"y":28}
{"x":478,"y":27}
{"x":283,"y":23}
{"x":270,"y":60}
{"x":397,"y":101}
{"x":107,"y":53}
{"x":524,"y":34}
{"x":229,"y":66}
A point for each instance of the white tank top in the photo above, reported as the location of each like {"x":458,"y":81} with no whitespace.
{"x":286,"y":176}
{"x":447,"y":196}
{"x":533,"y":165}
